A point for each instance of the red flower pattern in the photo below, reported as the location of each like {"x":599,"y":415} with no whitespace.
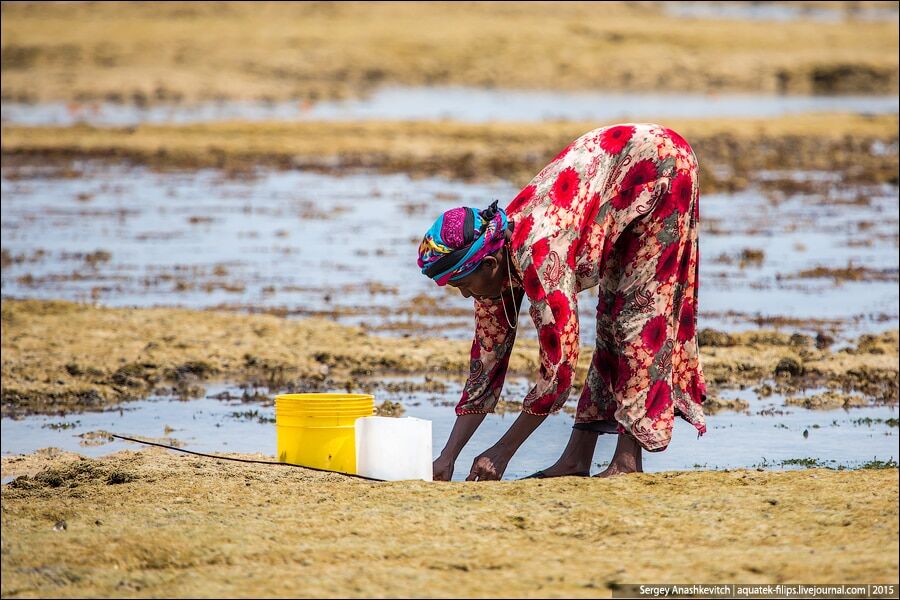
{"x":682,"y":190}
{"x":686,"y":323}
{"x":539,"y":252}
{"x":522,"y":199}
{"x":563,"y":378}
{"x":658,"y":399}
{"x":654,"y":333}
{"x":562,"y":153}
{"x":572,"y":256}
{"x":641,"y":173}
{"x":532,"y":283}
{"x":667,"y":264}
{"x":564,"y":188}
{"x":679,"y":141}
{"x":623,"y":373}
{"x":688,"y":260}
{"x":631,"y":245}
{"x":521,"y":232}
{"x":549,"y":339}
{"x":613,"y":140}
{"x":559,"y":306}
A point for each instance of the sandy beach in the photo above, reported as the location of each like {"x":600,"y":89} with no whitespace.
{"x":154,"y":523}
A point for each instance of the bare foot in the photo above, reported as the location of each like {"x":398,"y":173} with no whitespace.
{"x":617,"y":469}
{"x":576,"y":458}
{"x":566,"y":470}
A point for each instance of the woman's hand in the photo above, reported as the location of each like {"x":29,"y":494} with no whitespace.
{"x":442,"y":469}
{"x":465,"y":426}
{"x":490,"y":465}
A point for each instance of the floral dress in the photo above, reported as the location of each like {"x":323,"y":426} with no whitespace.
{"x":618,"y":209}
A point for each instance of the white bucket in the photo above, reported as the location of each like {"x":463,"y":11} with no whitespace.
{"x":393,"y":449}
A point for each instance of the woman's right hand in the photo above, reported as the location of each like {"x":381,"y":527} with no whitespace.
{"x":442,"y":469}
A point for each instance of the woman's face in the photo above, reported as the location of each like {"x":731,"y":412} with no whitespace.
{"x":486,"y":281}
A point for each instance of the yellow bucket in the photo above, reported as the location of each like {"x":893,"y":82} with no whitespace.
{"x":317,"y":430}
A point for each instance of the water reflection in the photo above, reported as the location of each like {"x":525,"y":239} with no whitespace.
{"x":455,"y":103}
{"x":766,"y":435}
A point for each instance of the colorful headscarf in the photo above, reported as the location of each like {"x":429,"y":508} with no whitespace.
{"x":458,"y":241}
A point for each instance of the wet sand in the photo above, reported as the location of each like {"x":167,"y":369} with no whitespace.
{"x":145,"y":53}
{"x":732,"y":152}
{"x":154,"y":523}
{"x":62,"y":356}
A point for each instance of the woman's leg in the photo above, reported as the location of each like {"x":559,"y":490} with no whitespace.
{"x":626,"y":459}
{"x":576,"y":458}
{"x":595,"y":407}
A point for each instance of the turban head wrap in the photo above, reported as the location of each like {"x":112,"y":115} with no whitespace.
{"x":459,"y":240}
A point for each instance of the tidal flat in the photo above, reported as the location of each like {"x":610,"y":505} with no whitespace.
{"x":62,"y":356}
{"x":153,"y":523}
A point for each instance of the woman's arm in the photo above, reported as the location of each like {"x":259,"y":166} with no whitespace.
{"x":555,"y":315}
{"x":491,"y":350}
{"x":462,"y":432}
{"x":492,"y":462}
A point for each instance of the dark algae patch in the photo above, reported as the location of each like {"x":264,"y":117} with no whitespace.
{"x":83,"y":472}
{"x":252,"y":415}
{"x":880,"y":464}
{"x":869,"y":421}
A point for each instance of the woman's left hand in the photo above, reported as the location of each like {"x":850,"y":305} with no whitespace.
{"x":490,"y":465}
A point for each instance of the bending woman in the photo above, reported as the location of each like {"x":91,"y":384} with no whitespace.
{"x":618,"y":209}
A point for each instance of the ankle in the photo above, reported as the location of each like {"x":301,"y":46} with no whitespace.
{"x":628,"y":454}
{"x":567,"y":466}
{"x":574,"y":463}
{"x":627,"y":466}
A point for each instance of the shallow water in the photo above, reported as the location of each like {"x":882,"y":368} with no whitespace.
{"x":797,"y":233}
{"x":835,"y":438}
{"x":778,"y":11}
{"x":454,"y":103}
{"x":345,"y":247}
